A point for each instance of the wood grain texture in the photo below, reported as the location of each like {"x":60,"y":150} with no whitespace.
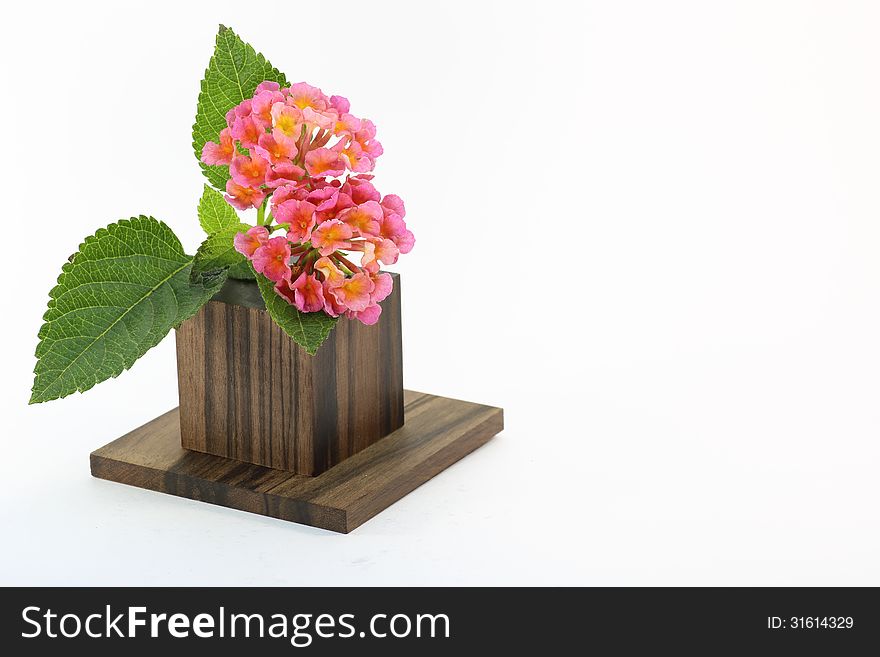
{"x":437,"y":433}
{"x":249,"y":392}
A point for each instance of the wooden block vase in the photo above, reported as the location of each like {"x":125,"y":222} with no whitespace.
{"x":328,"y":440}
{"x":249,"y":392}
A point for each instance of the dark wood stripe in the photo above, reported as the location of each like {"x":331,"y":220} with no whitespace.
{"x":328,"y":447}
{"x":394,"y":371}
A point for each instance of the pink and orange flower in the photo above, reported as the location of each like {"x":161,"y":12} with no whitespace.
{"x":303,"y":161}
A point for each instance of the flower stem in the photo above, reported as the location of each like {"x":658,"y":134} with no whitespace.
{"x":301,"y":147}
{"x":352,"y":268}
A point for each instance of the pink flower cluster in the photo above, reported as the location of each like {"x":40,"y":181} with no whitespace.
{"x":305,"y":157}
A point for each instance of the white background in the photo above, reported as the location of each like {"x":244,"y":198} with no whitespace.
{"x":648,"y":230}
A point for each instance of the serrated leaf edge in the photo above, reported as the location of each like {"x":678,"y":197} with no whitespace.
{"x":98,"y":234}
{"x":224,"y":34}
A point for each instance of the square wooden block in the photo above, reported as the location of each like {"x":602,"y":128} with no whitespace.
{"x":249,"y":392}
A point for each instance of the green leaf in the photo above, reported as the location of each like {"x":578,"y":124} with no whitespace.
{"x":215,"y":213}
{"x":308,"y":330}
{"x":242,"y":271}
{"x":233,"y":74}
{"x":126,"y":287}
{"x":218,"y":252}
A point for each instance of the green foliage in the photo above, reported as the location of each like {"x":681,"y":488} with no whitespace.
{"x":242,"y":271}
{"x":215,"y":213}
{"x":233,"y":74}
{"x":131,"y":283}
{"x":123,"y":291}
{"x":217,"y":253}
{"x":309,"y":330}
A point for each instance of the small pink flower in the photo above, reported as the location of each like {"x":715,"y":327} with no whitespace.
{"x":368,"y":316}
{"x":354,"y":292}
{"x":286,"y":121}
{"x":272,"y":259}
{"x":331,"y":236}
{"x":324,"y":120}
{"x":324,"y":198}
{"x":331,"y":306}
{"x":277,"y":151}
{"x":304,"y":95}
{"x":254,"y":238}
{"x":283,"y":290}
{"x":249,"y":171}
{"x":383,"y":284}
{"x":340,"y":104}
{"x":324,"y":162}
{"x":354,"y":156}
{"x":380,"y":250}
{"x":289,"y":191}
{"x":221,"y":153}
{"x":261,"y":107}
{"x":373,"y":149}
{"x":308,"y":293}
{"x":394,"y":228}
{"x":283,"y":173}
{"x":393,"y":203}
{"x":329,"y":270}
{"x":366,"y":138}
{"x":243,"y":109}
{"x":365,"y":218}
{"x":247,"y":131}
{"x":346,"y":125}
{"x":362,"y":190}
{"x":268,"y":85}
{"x":299,"y":217}
{"x":367,"y":131}
{"x":243,"y":197}
{"x":343,"y":202}
{"x":406,"y":242}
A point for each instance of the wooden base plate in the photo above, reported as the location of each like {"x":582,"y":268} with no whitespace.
{"x":437,"y":432}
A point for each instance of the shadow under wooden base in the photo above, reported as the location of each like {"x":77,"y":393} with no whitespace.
{"x":437,"y":433}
